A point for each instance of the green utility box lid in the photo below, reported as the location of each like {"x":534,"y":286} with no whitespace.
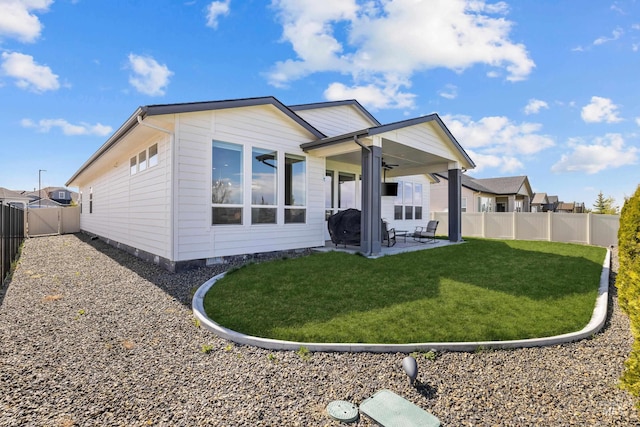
{"x":390,"y":410}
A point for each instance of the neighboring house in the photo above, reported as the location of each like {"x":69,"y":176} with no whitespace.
{"x":44,"y":203}
{"x":540,"y":202}
{"x":61,"y":195}
{"x":566,"y":207}
{"x":13,"y":198}
{"x":506,"y":194}
{"x":183,"y":184}
{"x":553,"y":203}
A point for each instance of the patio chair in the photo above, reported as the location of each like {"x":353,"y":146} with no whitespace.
{"x":426,"y":234}
{"x":388,"y":234}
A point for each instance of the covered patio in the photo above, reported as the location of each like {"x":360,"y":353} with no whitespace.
{"x":401,"y":246}
{"x":420,"y":146}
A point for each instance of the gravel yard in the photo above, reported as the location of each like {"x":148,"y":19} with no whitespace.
{"x":91,"y":336}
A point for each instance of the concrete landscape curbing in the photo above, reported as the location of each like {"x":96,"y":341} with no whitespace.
{"x":93,"y":336}
{"x":596,"y":323}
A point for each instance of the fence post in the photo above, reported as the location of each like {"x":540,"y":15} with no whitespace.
{"x":549,"y":225}
{"x":589,"y":228}
{"x":513,"y":224}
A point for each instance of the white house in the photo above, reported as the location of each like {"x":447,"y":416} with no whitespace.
{"x":191,"y":183}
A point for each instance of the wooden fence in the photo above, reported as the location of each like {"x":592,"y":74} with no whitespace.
{"x":11,"y":237}
{"x":590,"y":229}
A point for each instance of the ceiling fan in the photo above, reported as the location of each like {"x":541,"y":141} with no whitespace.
{"x":385,"y":167}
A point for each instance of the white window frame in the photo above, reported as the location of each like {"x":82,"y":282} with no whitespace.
{"x":136,"y":165}
{"x":412,"y":203}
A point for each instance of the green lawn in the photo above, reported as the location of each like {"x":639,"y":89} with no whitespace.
{"x":477,"y":291}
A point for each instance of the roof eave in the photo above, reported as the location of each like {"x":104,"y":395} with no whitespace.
{"x":126,"y":127}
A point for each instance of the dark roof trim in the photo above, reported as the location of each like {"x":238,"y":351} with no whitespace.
{"x":388,"y":128}
{"x":126,"y":127}
{"x":326,"y":142}
{"x":159,"y":109}
{"x":469,"y":183}
{"x":328,"y":104}
{"x":190,"y":107}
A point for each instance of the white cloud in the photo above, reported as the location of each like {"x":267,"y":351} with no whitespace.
{"x":215,"y":10}
{"x":18,"y":21}
{"x":534,"y":106}
{"x":505,"y":164}
{"x":29,"y":75}
{"x":615,"y":35}
{"x":45,"y":125}
{"x":638,"y":121}
{"x":449,"y":92}
{"x":498,"y":135}
{"x":387,"y":42}
{"x":149,"y":77}
{"x":374,"y":97}
{"x":606,"y":152}
{"x":497,"y":142}
{"x":600,"y":110}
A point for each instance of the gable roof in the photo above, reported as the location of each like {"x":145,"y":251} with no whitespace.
{"x":564,"y":206}
{"x":540,"y":198}
{"x":159,"y":109}
{"x":376,"y":130}
{"x":504,"y":185}
{"x":349,"y":102}
{"x":5,"y":194}
{"x":500,"y":186}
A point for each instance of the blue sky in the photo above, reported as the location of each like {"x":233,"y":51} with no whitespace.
{"x":547,"y":89}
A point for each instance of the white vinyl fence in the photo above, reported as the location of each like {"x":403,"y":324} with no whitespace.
{"x":590,"y":229}
{"x":51,"y":221}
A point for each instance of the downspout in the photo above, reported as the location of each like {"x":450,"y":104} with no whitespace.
{"x":357,"y":141}
{"x":173,"y":180}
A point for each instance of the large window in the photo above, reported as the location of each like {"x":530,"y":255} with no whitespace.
{"x":264,"y":186}
{"x":295,"y":189}
{"x":226,"y":188}
{"x":276,"y":190}
{"x":408,"y":201}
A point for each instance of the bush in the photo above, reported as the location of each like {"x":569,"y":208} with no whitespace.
{"x":628,"y":284}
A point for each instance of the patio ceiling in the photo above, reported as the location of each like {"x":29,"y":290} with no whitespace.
{"x":422,"y":145}
{"x":405,"y":160}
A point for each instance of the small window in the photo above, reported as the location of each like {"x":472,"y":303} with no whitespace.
{"x":153,"y":155}
{"x":61,"y":195}
{"x":133,"y":165}
{"x":90,"y":200}
{"x":463,"y":204}
{"x":142,"y":161}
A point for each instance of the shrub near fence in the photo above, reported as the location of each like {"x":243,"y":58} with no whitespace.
{"x":628,"y":284}
{"x":11,"y":237}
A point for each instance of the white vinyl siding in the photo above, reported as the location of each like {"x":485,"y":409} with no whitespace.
{"x":263,"y":127}
{"x":336,"y":120}
{"x":133,"y":210}
{"x":388,"y":204}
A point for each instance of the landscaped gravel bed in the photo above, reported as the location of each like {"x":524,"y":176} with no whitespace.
{"x":91,"y":336}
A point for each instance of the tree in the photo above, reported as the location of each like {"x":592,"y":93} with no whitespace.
{"x":605,"y":205}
